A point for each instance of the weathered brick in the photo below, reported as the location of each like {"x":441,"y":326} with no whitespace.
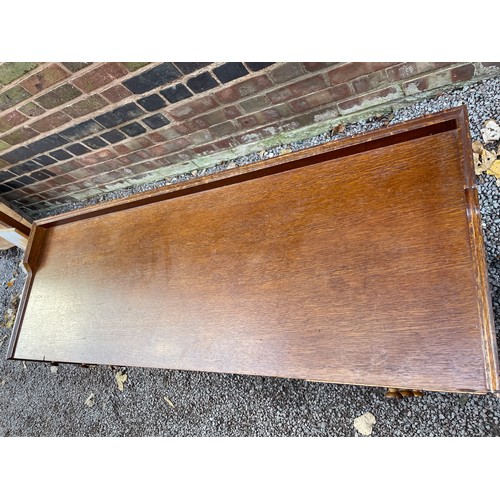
{"x":13,"y":96}
{"x":44,"y":79}
{"x":339,"y":92}
{"x":99,"y":76}
{"x":26,"y":167}
{"x":51,"y":121}
{"x":60,"y":154}
{"x":410,"y":69}
{"x":58,"y":96}
{"x":10,"y":71}
{"x":97,"y":157}
{"x":133,"y":129}
{"x":16,"y":155}
{"x":75,"y":66}
{"x":156,"y":121}
{"x":297,"y":89}
{"x":264,"y":116}
{"x":85,"y":106}
{"x":45,"y":160}
{"x":83,"y":129}
{"x":230,"y":71}
{"x":190,"y":67}
{"x":223,"y":129}
{"x":77,"y":149}
{"x":243,"y":89}
{"x":368,"y":100}
{"x":138,"y":143}
{"x":10,"y":120}
{"x":31,"y":109}
{"x":311,"y":101}
{"x":257,"y":66}
{"x":4,"y":145}
{"x":200,"y":137}
{"x":47,"y":143}
{"x":134,"y":66}
{"x":366,"y":83}
{"x":286,"y":72}
{"x":316,"y":66}
{"x":491,"y":64}
{"x":152,"y":102}
{"x":439,"y":79}
{"x":152,"y":78}
{"x":168,"y":147}
{"x":255,"y":104}
{"x":202,"y":82}
{"x":349,"y":71}
{"x":194,"y":107}
{"x":113,"y":136}
{"x":20,"y":135}
{"x":116,"y":93}
{"x":95,"y":143}
{"x":254,"y":135}
{"x":176,"y":93}
{"x":120,"y":115}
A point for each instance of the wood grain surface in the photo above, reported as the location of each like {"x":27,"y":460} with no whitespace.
{"x":361,"y":267}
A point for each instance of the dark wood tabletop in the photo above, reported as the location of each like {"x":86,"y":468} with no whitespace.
{"x":360,"y":261}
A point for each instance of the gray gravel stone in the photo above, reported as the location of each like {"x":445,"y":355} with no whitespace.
{"x":36,"y":402}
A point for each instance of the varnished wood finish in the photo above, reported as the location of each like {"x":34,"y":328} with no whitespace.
{"x":359,"y":261}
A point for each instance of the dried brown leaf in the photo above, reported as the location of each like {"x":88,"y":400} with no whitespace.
{"x":494,"y":169}
{"x":286,"y":151}
{"x":10,"y":283}
{"x":168,"y":401}
{"x":120,"y":378}
{"x":477,"y":147}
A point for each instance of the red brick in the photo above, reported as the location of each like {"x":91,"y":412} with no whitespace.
{"x":255,"y":104}
{"x":168,"y":133}
{"x":99,"y":76}
{"x":64,"y":168}
{"x":410,"y":69}
{"x":365,"y":101}
{"x":213,"y":118}
{"x":366,"y":83}
{"x":300,"y":88}
{"x":254,"y":135}
{"x":286,"y":72}
{"x":116,"y":93}
{"x":341,"y":91}
{"x":462,"y":73}
{"x":223,"y":129}
{"x":439,"y":79}
{"x":193,"y":108}
{"x":316,"y":66}
{"x":44,"y":79}
{"x":311,"y":101}
{"x":264,"y":116}
{"x":121,"y":149}
{"x":349,"y":71}
{"x":244,"y":89}
{"x":51,"y":121}
{"x":85,"y":106}
{"x":97,"y":157}
{"x":205,"y":149}
{"x":19,"y":135}
{"x":201,"y":137}
{"x":169,"y":147}
{"x":10,"y":120}
{"x":138,"y":143}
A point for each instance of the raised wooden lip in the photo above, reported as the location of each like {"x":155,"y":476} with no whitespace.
{"x":444,"y":121}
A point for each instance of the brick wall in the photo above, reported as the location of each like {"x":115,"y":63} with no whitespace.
{"x":69,"y":131}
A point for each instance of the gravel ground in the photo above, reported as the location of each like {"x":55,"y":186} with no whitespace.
{"x":37,"y":400}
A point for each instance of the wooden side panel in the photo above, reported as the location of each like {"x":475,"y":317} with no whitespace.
{"x":357,"y":269}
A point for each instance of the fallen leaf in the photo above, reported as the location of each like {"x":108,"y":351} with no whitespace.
{"x":10,"y":318}
{"x":491,"y":131}
{"x":364,"y":423}
{"x":120,"y":379}
{"x":286,"y":151}
{"x":90,"y":401}
{"x":168,"y":401}
{"x":11,"y":283}
{"x":339,"y":129}
{"x":477,"y":147}
{"x":484,"y":161}
{"x":494,"y":169}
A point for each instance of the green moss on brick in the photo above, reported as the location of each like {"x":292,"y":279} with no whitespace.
{"x":11,"y":71}
{"x":4,"y":145}
{"x":12,"y":97}
{"x":59,"y":96}
{"x":134,"y":66}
